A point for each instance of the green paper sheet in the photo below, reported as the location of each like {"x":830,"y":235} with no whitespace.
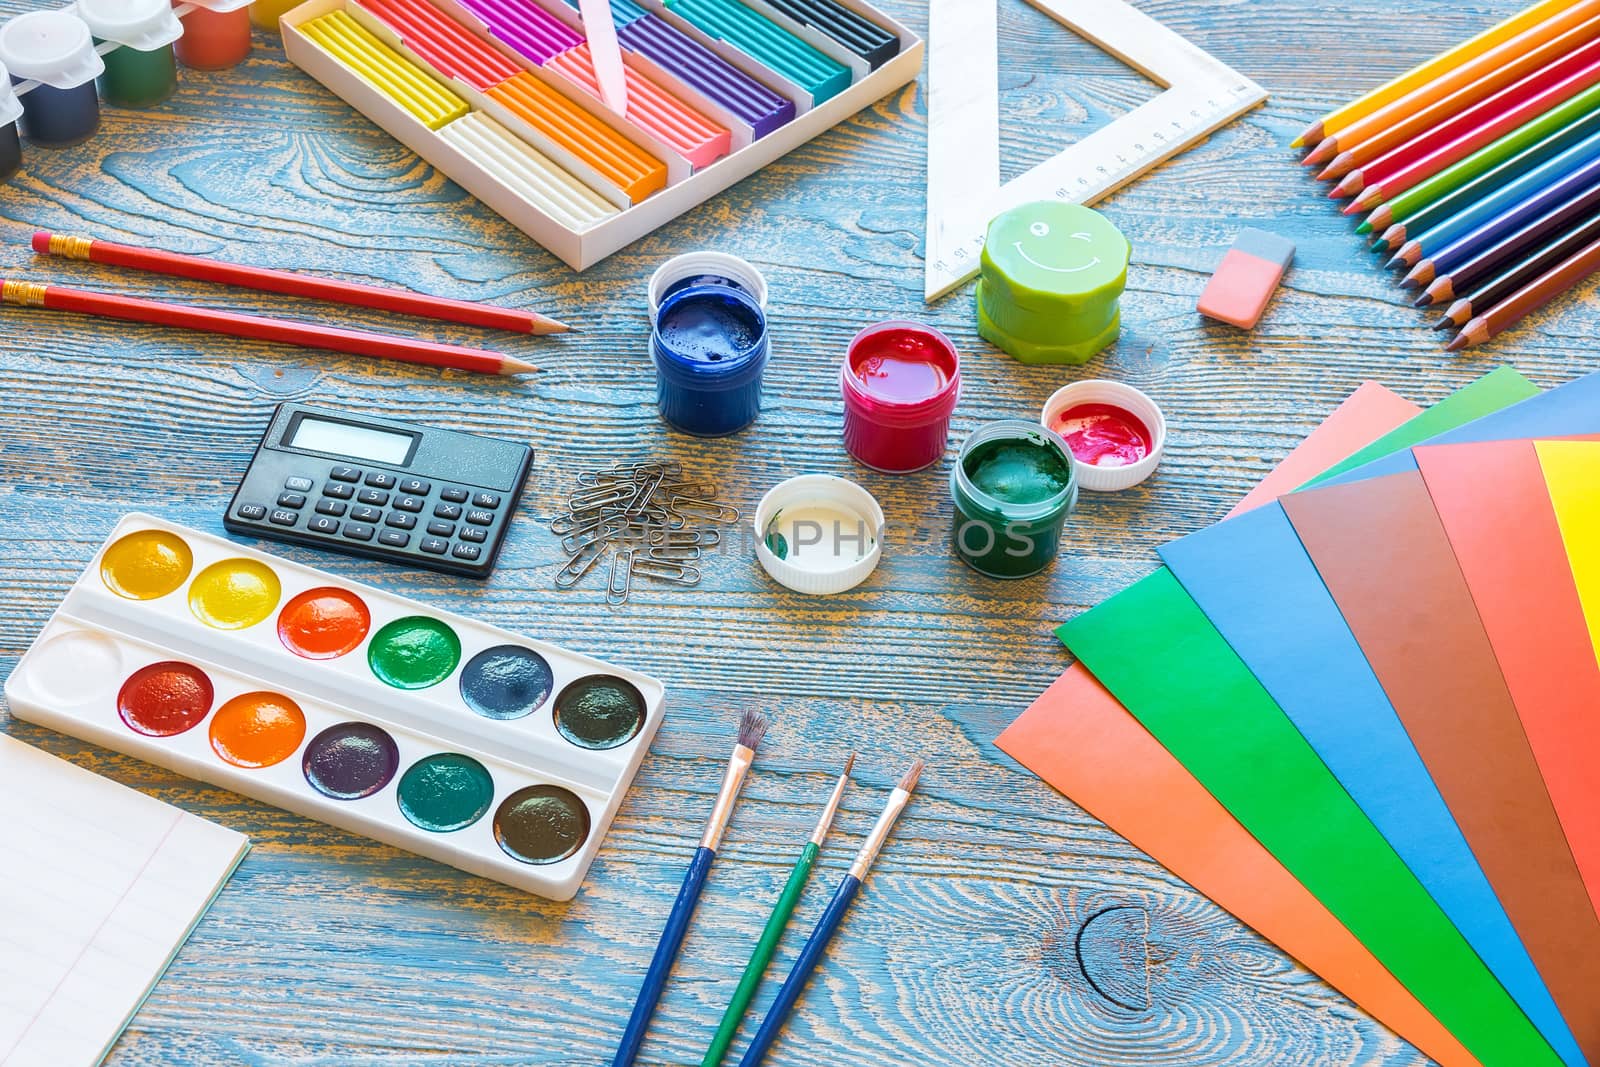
{"x":1160,"y":656}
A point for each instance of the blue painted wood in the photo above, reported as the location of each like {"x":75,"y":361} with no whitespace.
{"x":1001,"y":924}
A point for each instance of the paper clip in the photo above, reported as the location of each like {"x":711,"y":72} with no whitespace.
{"x":580,"y":563}
{"x":620,"y":582}
{"x":664,"y":570}
{"x":687,"y":507}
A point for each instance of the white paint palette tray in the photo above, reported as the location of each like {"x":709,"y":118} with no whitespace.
{"x":500,"y":755}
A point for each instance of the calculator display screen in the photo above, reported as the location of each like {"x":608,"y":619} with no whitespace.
{"x":347,"y":439}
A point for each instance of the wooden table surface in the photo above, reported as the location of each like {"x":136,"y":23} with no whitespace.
{"x":969,"y":946}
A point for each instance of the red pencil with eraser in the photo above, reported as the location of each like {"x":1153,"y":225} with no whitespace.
{"x":1244,"y":282}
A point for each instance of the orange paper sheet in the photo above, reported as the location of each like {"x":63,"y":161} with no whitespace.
{"x":1080,"y":740}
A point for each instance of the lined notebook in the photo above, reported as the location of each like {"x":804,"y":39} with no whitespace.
{"x":99,"y":888}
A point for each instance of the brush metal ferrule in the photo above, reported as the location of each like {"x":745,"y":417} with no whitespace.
{"x":732,"y":780}
{"x":65,"y":244}
{"x":880,"y":833}
{"x":830,"y":811}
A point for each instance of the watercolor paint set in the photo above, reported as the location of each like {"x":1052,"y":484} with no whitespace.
{"x":500,"y":755}
{"x":502,"y":96}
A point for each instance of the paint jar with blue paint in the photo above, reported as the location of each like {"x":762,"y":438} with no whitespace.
{"x":55,"y":49}
{"x":10,"y":140}
{"x":143,"y":71}
{"x":709,"y":344}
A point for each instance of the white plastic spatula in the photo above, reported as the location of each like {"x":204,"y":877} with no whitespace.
{"x":605,"y":52}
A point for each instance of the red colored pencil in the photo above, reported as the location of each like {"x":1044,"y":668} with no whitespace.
{"x":1485,"y":122}
{"x":383,"y":346}
{"x":280,"y":281}
{"x":1525,"y":301}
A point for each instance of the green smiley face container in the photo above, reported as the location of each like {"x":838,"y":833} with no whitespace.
{"x":1051,"y":278}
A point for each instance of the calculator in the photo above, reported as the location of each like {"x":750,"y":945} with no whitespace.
{"x":414,"y":495}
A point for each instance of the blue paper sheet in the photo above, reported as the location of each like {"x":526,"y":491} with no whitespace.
{"x":1257,"y":585}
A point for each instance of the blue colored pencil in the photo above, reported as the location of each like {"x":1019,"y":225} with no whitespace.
{"x":828,"y":925}
{"x":752,"y":728}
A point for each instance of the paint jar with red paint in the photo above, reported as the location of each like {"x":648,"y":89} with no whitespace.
{"x":216,"y":34}
{"x":900,"y":382}
{"x":1116,"y":433}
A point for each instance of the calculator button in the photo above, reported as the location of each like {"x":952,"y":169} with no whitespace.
{"x":376,"y":497}
{"x":400,"y":520}
{"x":358,"y":531}
{"x":323,"y":525}
{"x":447,"y":511}
{"x":394,"y":538}
{"x":479,"y":517}
{"x":476,"y":534}
{"x":409,"y":503}
{"x":345,"y":474}
{"x":414,"y":485}
{"x":485,"y":500}
{"x":465,"y":552}
{"x":434,"y":545}
{"x":253,"y":512}
{"x":285,"y":518}
{"x":298,"y":485}
{"x":441,"y":529}
{"x":453,"y":495}
{"x":380,"y":480}
{"x":338,"y":491}
{"x":365,"y":514}
{"x":330,"y":507}
{"x":291,"y":500}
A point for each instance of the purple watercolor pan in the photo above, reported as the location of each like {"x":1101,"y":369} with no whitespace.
{"x":708,"y":72}
{"x":524,"y":27}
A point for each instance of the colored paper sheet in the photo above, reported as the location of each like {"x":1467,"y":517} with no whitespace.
{"x":1570,"y":476}
{"x":1385,"y":557}
{"x":1079,"y":739}
{"x":1503,"y":530}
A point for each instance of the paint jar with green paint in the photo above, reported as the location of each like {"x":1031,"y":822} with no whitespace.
{"x":143,"y":71}
{"x":1014,"y":484}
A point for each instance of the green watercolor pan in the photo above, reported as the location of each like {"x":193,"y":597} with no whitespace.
{"x":497,"y":754}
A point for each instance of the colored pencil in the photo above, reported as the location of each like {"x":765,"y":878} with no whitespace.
{"x":1341,"y":118}
{"x":1443,"y":283}
{"x":828,"y":925}
{"x":1493,"y":154}
{"x":752,"y":728}
{"x":1515,"y":276}
{"x":750,"y":980}
{"x":1579,"y":187}
{"x":1529,"y":298}
{"x":1480,"y":125}
{"x":1452,"y":215}
{"x":1528,"y":52}
{"x":259,"y":328}
{"x":280,"y":281}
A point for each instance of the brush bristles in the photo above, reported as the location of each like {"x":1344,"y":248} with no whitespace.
{"x":909,"y":782}
{"x":848,"y":764}
{"x":752,"y":728}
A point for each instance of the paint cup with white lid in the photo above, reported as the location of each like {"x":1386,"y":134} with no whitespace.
{"x":705,"y":268}
{"x":55,"y":49}
{"x":10,"y":140}
{"x":1116,"y":433}
{"x":709,"y":345}
{"x":216,"y":34}
{"x":143,"y":71}
{"x":818,"y":534}
{"x":900,"y":381}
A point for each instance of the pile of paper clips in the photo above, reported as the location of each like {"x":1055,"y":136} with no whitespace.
{"x":649,"y":522}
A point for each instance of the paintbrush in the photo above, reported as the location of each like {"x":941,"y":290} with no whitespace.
{"x":828,"y":925}
{"x":750,"y":981}
{"x":752,"y":727}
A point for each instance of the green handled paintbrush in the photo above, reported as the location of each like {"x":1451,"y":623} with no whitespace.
{"x":773,"y":932}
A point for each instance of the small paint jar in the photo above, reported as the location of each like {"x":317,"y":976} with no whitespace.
{"x":1115,"y":433}
{"x":216,"y":34}
{"x":900,"y":382}
{"x":55,"y":49}
{"x":266,"y":13}
{"x":709,"y":344}
{"x":1014,"y":485}
{"x":819,"y":535}
{"x":705,"y":268}
{"x":143,"y":71}
{"x":10,"y":140}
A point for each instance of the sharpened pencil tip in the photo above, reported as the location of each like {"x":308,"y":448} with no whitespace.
{"x":1422,"y":301}
{"x":1457,"y":343}
{"x":909,"y":781}
{"x":1444,"y":323}
{"x":752,"y":728}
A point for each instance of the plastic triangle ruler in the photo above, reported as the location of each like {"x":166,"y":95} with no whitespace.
{"x":1199,"y":95}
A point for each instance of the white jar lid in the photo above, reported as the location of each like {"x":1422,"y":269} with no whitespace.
{"x":52,"y":47}
{"x":10,"y":105}
{"x":819,"y":534}
{"x":696,"y":264}
{"x":1104,"y":478}
{"x":144,"y":25}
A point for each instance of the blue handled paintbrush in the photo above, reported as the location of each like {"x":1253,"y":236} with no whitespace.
{"x":817,"y":943}
{"x":752,"y":728}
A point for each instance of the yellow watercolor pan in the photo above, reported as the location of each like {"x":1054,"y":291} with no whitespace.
{"x":525,"y":170}
{"x":633,"y":170}
{"x":353,"y":46}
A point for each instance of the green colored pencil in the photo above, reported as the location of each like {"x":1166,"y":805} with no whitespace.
{"x":750,"y":981}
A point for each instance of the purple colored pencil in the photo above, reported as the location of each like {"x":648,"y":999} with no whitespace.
{"x":526,"y":28}
{"x":698,"y":66}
